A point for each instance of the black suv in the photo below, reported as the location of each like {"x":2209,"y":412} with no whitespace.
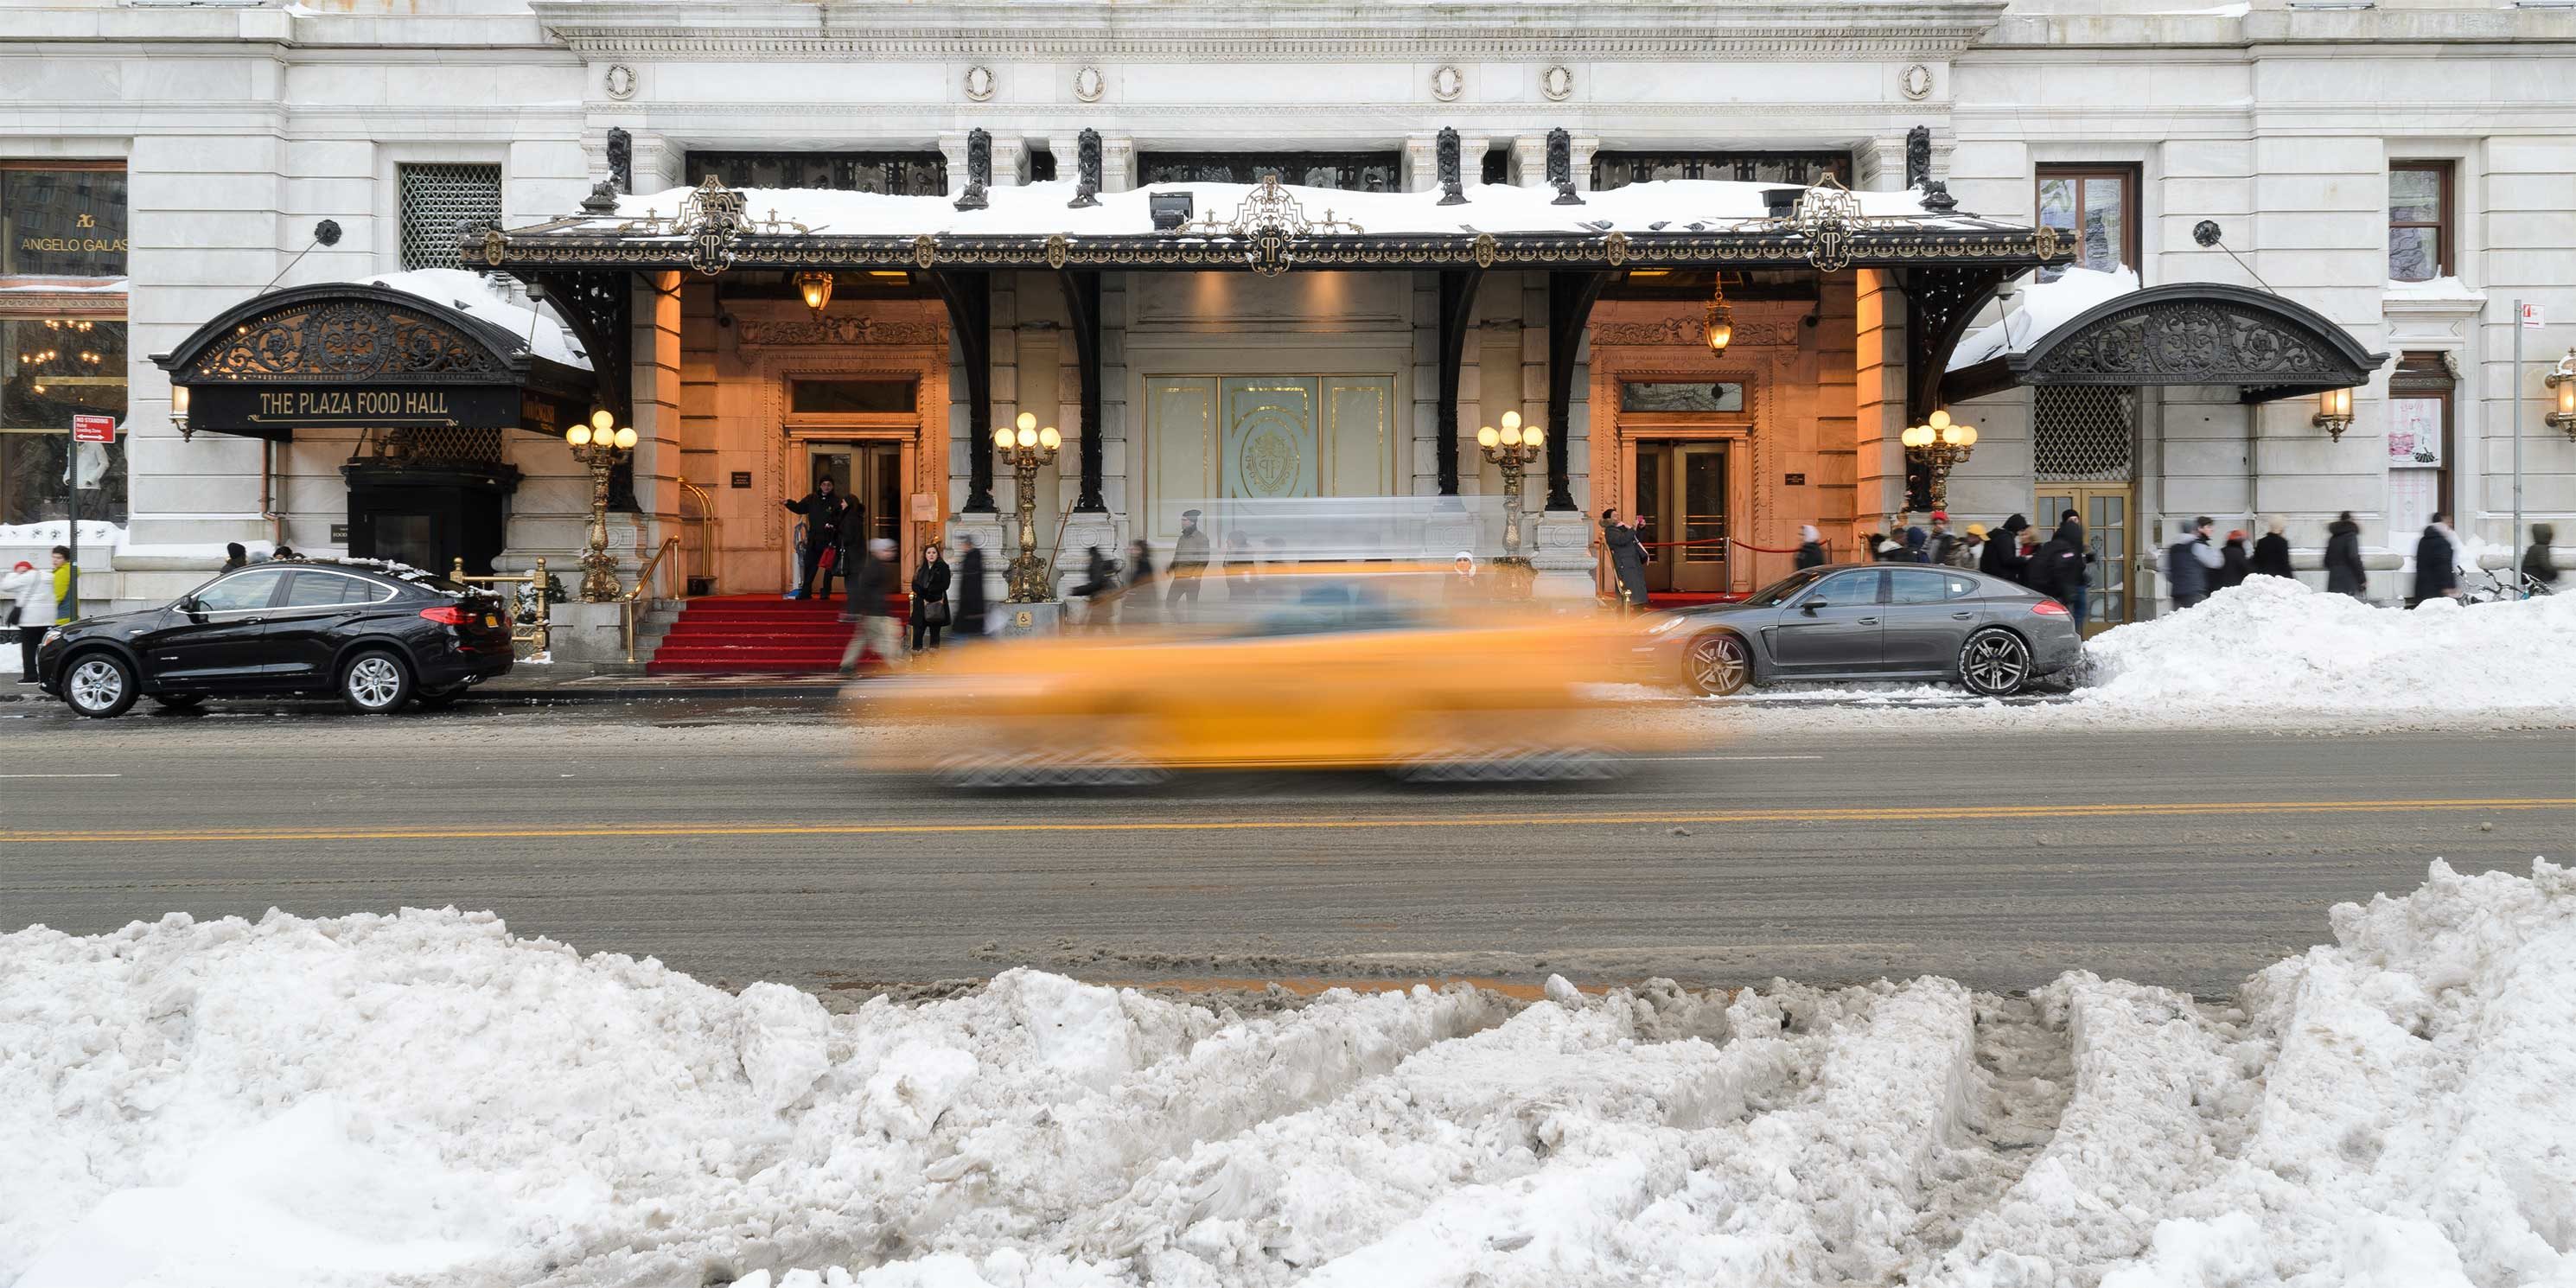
{"x":380,"y":635}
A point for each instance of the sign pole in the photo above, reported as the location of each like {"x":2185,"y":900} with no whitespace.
{"x":2521,"y":323}
{"x":85,"y":429}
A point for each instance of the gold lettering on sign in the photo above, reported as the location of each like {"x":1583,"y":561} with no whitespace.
{"x":86,"y":220}
{"x":72,"y":245}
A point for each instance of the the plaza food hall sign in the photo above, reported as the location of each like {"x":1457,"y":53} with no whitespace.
{"x":266,"y":410}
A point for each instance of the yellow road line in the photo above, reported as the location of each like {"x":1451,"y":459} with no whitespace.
{"x":1909,"y":814}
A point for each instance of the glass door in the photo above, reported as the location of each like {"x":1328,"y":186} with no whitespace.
{"x":2105,"y":509}
{"x":1680,"y":507}
{"x":868,"y":473}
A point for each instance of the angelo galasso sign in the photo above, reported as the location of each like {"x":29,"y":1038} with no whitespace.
{"x":272,"y":410}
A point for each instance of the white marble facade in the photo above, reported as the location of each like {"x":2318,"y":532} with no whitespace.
{"x":242,"y":125}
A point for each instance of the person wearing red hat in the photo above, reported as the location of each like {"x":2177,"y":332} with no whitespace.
{"x":2236,"y":562}
{"x":29,"y":596}
{"x":1938,"y":547}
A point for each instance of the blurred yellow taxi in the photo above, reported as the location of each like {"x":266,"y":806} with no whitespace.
{"x":1407,"y":668}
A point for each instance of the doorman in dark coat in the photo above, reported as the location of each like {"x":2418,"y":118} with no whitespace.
{"x":1627,"y":559}
{"x":822,"y":509}
{"x":970,"y":589}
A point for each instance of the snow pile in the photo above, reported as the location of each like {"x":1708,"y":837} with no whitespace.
{"x":487,"y":299}
{"x":2276,"y":644}
{"x":1040,"y":208}
{"x":2045,"y":306}
{"x":423,"y":1098}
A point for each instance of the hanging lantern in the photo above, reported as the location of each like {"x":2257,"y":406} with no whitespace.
{"x":1719,"y":324}
{"x":2334,"y":413}
{"x":816,"y":287}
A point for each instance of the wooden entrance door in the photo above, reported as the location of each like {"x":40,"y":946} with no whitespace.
{"x":1681,"y":497}
{"x":2109,"y":531}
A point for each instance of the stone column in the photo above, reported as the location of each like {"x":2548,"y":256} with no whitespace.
{"x":1878,"y":399}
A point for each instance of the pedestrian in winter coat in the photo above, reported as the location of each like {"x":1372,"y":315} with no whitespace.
{"x":1883,"y":547}
{"x":1811,"y":547}
{"x":2002,"y":556}
{"x":1189,"y":560}
{"x":2058,"y":569}
{"x":1098,"y":588}
{"x":2345,"y":574}
{"x":929,"y":598}
{"x":29,"y":595}
{"x":1137,"y":603}
{"x":822,"y":510}
{"x":1914,"y":542}
{"x":1938,"y":545}
{"x":2437,"y":574}
{"x":1971,"y":553}
{"x":2189,"y":563}
{"x":2537,"y":564}
{"x":2235,"y":563}
{"x":871,"y":591}
{"x":2272,"y":553}
{"x":970,"y":590}
{"x":1627,"y":560}
{"x":66,"y":600}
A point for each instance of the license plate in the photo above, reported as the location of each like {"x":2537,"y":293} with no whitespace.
{"x":490,"y":620}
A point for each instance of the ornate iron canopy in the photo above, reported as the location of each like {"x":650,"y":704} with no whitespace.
{"x":357,"y":356}
{"x":2189,"y":333}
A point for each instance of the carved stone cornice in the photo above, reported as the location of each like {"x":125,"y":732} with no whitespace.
{"x":1619,"y":30}
{"x":1688,"y":331}
{"x":837,"y":330}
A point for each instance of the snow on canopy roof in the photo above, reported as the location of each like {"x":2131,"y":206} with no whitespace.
{"x":1039,"y":209}
{"x":2045,"y":306}
{"x":493,"y":301}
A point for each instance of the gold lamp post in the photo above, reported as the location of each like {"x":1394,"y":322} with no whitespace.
{"x":1942,"y":443}
{"x":1024,"y":448}
{"x":600,"y":444}
{"x":2562,"y":382}
{"x":1513,"y":447}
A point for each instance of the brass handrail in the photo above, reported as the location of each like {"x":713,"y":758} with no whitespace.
{"x":643,"y":582}
{"x":706,"y":525}
{"x":541,"y":630}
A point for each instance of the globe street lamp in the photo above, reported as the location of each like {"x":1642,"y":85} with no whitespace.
{"x":599,"y":444}
{"x":1941,"y":443}
{"x":1512,"y":447}
{"x":1024,"y":448}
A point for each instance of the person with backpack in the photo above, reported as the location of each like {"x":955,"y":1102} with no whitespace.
{"x":1938,"y":545}
{"x":2189,"y":563}
{"x":1971,"y":553}
{"x":2002,"y":557}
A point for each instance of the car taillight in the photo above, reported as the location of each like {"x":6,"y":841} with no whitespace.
{"x":448,"y":615}
{"x":2049,"y":608}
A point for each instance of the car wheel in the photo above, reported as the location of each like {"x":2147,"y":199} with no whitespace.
{"x":1717,"y":664}
{"x":99,"y":685}
{"x":375,"y":683}
{"x":1994,"y":663}
{"x":179,"y":701}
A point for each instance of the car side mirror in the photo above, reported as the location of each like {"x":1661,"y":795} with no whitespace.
{"x":188,"y":604}
{"x":1810,"y":607}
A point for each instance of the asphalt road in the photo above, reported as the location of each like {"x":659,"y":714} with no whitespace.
{"x":741,"y":842}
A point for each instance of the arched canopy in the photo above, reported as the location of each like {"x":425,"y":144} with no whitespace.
{"x":2189,"y":333}
{"x":349,"y":355}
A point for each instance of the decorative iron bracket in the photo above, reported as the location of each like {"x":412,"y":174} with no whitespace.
{"x":1269,"y":223}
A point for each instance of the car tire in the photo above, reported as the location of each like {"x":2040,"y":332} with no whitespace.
{"x":1717,"y":664}
{"x":1994,"y":663}
{"x":99,"y":685}
{"x":375,"y":683}
{"x":178,"y":701}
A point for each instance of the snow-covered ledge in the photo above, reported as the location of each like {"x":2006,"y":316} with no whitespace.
{"x":2434,"y":312}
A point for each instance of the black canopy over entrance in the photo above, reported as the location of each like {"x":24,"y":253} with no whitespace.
{"x":2190,"y":333}
{"x":431,"y":390}
{"x":356,"y":356}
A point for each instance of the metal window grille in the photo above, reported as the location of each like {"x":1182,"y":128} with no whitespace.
{"x":2083,"y":432}
{"x":1619,"y":169}
{"x":436,"y":201}
{"x":1346,"y":171}
{"x":892,"y":174}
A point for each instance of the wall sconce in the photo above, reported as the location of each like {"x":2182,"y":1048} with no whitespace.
{"x":817,"y":289}
{"x":2334,"y":413}
{"x":179,"y":413}
{"x":1719,"y":325}
{"x":2562,"y":382}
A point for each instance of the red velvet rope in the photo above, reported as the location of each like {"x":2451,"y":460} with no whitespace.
{"x":1710,"y":541}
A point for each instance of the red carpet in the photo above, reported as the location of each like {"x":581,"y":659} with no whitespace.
{"x":757,"y":634}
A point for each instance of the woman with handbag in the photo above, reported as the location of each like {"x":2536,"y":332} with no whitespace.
{"x":929,"y":597}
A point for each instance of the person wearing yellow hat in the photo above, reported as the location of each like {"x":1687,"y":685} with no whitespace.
{"x":1972,"y":549}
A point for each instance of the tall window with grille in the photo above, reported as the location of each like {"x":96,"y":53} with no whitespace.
{"x":2094,"y":208}
{"x":2419,"y":440}
{"x":2084,"y":458}
{"x":62,"y":336}
{"x":437,"y":200}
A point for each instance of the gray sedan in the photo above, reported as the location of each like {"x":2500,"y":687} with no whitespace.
{"x":1885,"y":621}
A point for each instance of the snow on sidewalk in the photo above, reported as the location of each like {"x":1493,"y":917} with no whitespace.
{"x":424,"y":1098}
